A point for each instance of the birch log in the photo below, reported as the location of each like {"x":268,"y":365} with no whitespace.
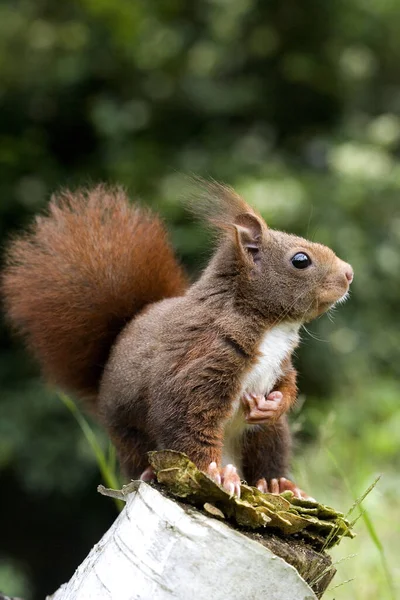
{"x":159,"y":550}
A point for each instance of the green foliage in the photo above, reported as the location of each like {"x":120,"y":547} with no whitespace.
{"x":13,"y":579}
{"x":337,"y":467}
{"x":294,"y":104}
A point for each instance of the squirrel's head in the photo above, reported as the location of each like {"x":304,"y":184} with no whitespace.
{"x":280,"y":275}
{"x":288,"y":276}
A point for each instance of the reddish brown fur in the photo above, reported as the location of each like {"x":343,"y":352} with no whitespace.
{"x":80,"y":274}
{"x":287,"y":385}
{"x":176,"y":369}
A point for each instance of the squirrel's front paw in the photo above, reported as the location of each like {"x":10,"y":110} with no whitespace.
{"x":279,"y":485}
{"x":226,"y":476}
{"x":259,"y":409}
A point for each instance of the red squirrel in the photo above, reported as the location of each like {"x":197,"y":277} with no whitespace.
{"x":204,"y":369}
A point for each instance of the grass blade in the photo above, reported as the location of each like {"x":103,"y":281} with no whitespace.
{"x":367,"y":520}
{"x":108,"y":474}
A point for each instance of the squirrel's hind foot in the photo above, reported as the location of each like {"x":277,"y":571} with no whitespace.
{"x":279,"y":485}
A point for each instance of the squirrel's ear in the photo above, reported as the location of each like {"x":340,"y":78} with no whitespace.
{"x":249,"y":230}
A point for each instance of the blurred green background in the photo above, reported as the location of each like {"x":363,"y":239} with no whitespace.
{"x":297,"y":105}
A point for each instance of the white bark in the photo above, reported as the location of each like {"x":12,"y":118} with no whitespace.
{"x":156,"y":550}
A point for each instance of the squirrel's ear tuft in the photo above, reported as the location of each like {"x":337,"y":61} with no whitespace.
{"x":217,"y":204}
{"x":249,"y":234}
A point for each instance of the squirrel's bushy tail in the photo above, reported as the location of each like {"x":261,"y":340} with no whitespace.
{"x":80,"y":274}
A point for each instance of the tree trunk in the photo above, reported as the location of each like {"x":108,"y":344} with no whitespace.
{"x":159,"y":549}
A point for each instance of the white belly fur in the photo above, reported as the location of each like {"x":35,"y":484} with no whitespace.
{"x":275,"y":346}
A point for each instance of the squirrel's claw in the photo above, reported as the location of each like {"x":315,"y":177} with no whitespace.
{"x":226,"y":476}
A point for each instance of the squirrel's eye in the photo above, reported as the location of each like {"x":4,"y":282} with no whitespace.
{"x":301,"y":260}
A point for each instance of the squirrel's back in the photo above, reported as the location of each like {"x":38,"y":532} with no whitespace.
{"x":81,"y":272}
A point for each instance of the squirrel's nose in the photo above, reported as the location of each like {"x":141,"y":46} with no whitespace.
{"x":349,"y":274}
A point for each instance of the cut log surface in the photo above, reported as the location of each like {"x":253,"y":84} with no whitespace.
{"x":158,"y":550}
